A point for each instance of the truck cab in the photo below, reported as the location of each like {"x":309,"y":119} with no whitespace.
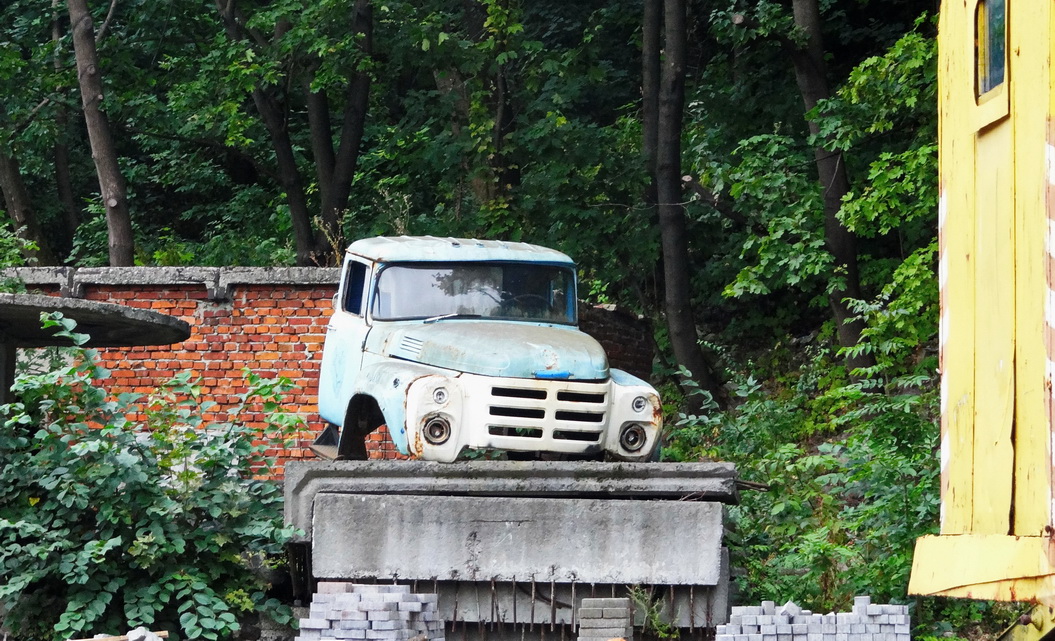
{"x":459,"y":344}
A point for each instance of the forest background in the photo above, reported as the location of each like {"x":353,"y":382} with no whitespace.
{"x":756,"y":177}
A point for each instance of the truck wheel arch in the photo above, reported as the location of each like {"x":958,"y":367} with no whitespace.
{"x":362,"y":417}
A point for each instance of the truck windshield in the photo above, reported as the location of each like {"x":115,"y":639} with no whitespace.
{"x":503,"y":291}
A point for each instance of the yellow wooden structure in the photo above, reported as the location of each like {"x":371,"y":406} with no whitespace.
{"x":997,"y":280}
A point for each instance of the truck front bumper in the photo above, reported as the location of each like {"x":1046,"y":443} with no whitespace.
{"x":446,"y":414}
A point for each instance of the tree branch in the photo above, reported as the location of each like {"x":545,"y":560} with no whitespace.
{"x":106,"y":22}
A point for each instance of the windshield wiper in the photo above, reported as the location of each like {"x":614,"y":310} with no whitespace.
{"x":433,"y":319}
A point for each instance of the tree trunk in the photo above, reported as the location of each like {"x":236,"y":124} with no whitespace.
{"x":330,"y":240}
{"x":60,"y":150}
{"x":676,"y":278}
{"x":21,"y":211}
{"x":111,"y":182}
{"x":652,"y":27}
{"x":289,"y":174}
{"x":811,"y":76}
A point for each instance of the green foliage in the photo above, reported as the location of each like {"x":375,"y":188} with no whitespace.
{"x":107,"y":524}
{"x":851,"y":477}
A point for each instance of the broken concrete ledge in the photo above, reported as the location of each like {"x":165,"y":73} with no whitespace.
{"x":714,"y":482}
{"x":217,"y":281}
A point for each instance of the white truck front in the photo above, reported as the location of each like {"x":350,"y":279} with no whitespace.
{"x":464,"y":344}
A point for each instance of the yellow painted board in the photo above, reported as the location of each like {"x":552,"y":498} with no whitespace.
{"x":956,"y":268}
{"x":994,"y":366}
{"x":978,"y":566}
{"x":1030,"y":71}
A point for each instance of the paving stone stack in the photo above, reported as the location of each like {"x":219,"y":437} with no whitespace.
{"x":384,"y":612}
{"x":867,"y":622}
{"x":604,"y":619}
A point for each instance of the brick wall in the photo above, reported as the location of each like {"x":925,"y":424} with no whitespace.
{"x":271,"y":321}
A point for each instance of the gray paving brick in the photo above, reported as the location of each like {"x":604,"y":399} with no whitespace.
{"x":605,"y":603}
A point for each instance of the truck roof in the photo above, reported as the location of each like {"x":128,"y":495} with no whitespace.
{"x":432,"y":248}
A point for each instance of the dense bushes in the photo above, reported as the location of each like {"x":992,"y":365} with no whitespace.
{"x":106,"y":524}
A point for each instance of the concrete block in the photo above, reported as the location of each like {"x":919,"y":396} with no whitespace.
{"x":660,"y":542}
{"x":410,"y":606}
{"x":333,"y":587}
{"x":381,"y":588}
{"x":749,"y":620}
{"x":768,"y":630}
{"x":799,"y":628}
{"x":382,"y":615}
{"x":351,"y":634}
{"x":605,"y":603}
{"x":591,"y":613}
{"x":314,"y":624}
{"x":329,"y":634}
{"x":353,"y":615}
{"x":386,"y":625}
{"x":378,"y":606}
{"x":616,"y":613}
{"x":352,"y":625}
{"x":790,"y":609}
{"x":603,"y":624}
{"x":607,"y":633}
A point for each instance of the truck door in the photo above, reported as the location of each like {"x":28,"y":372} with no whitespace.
{"x":346,"y":332}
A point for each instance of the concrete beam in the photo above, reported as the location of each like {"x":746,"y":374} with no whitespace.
{"x":557,"y":479}
{"x":527,"y":539}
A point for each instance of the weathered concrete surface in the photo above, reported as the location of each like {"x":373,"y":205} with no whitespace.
{"x":217,"y":281}
{"x":107,"y":325}
{"x":656,"y":481}
{"x":539,"y":606}
{"x":501,"y":538}
{"x":507,"y":542}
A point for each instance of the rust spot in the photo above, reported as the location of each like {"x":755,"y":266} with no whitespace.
{"x":419,"y":446}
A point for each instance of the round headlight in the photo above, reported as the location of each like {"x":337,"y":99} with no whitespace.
{"x":633,"y":437}
{"x":639,"y":404}
{"x":440,"y":395}
{"x":437,"y":430}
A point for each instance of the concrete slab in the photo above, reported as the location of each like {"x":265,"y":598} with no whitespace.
{"x":683,"y":482}
{"x":505,"y":539}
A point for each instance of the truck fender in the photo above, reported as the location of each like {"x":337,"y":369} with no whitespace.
{"x":387,"y":383}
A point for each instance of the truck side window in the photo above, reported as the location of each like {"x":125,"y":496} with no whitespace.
{"x":990,"y":44}
{"x":354,"y":288}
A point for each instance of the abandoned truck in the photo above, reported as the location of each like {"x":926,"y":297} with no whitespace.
{"x":461,"y":344}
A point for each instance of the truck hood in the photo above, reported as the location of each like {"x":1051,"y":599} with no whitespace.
{"x":494,"y":348}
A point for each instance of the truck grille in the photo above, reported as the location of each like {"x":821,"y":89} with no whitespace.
{"x":560,"y":411}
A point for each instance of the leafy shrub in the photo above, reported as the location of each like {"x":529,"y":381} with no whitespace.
{"x":106,"y":524}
